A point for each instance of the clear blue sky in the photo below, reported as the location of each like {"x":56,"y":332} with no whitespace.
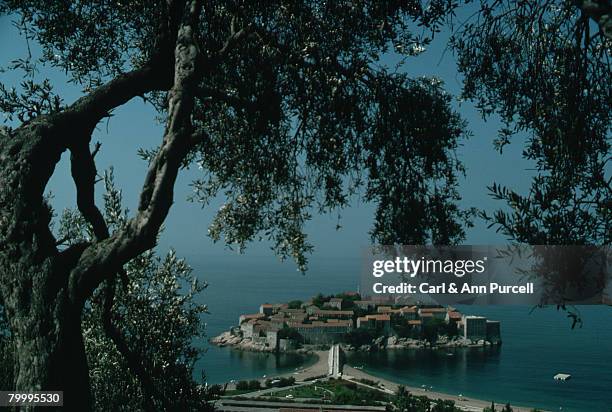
{"x":133,"y":126}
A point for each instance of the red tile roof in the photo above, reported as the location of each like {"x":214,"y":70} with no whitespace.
{"x":253,"y":316}
{"x":379,"y":317}
{"x":433,"y":310}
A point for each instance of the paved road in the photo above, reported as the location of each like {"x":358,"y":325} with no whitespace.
{"x":463,"y":402}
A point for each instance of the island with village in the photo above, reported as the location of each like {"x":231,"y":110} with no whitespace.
{"x":357,"y":324}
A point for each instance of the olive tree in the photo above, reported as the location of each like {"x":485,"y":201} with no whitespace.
{"x":284,"y":106}
{"x":145,"y":336}
{"x":145,"y":339}
{"x":544,"y":68}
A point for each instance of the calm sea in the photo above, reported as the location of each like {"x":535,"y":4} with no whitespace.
{"x":536,"y":345}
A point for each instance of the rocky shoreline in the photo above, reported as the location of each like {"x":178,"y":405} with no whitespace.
{"x":247,"y":344}
{"x":380,"y":343}
{"x":393,"y":342}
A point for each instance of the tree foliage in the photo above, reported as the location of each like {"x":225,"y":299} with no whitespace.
{"x":161,"y":324}
{"x":295,"y":304}
{"x":157,"y":317}
{"x":360,"y":336}
{"x":544,"y":68}
{"x":298,"y":116}
{"x":290,"y":333}
{"x":404,"y":401}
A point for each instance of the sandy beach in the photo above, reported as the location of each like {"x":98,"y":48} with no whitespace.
{"x":463,"y":402}
{"x":319,"y":368}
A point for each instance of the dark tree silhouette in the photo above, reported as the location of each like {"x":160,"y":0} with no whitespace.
{"x":544,"y":67}
{"x":283,"y":105}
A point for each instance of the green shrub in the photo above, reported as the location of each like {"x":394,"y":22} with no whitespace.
{"x":242,"y":386}
{"x":254,"y":385}
{"x":359,"y":337}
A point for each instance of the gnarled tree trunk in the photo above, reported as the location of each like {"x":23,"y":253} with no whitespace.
{"x":43,"y":289}
{"x":52,"y":360}
{"x":45,"y":322}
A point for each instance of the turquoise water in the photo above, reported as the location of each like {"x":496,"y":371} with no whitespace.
{"x":536,"y":345}
{"x":224,"y":364}
{"x":240,"y":287}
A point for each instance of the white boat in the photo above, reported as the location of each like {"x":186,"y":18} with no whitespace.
{"x":562,"y":376}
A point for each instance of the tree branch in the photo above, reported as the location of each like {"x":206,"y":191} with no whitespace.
{"x":86,"y":112}
{"x":233,"y":39}
{"x":156,"y":198}
{"x":156,"y":74}
{"x":221,"y":95}
{"x":600,"y":11}
{"x":83,"y":169}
